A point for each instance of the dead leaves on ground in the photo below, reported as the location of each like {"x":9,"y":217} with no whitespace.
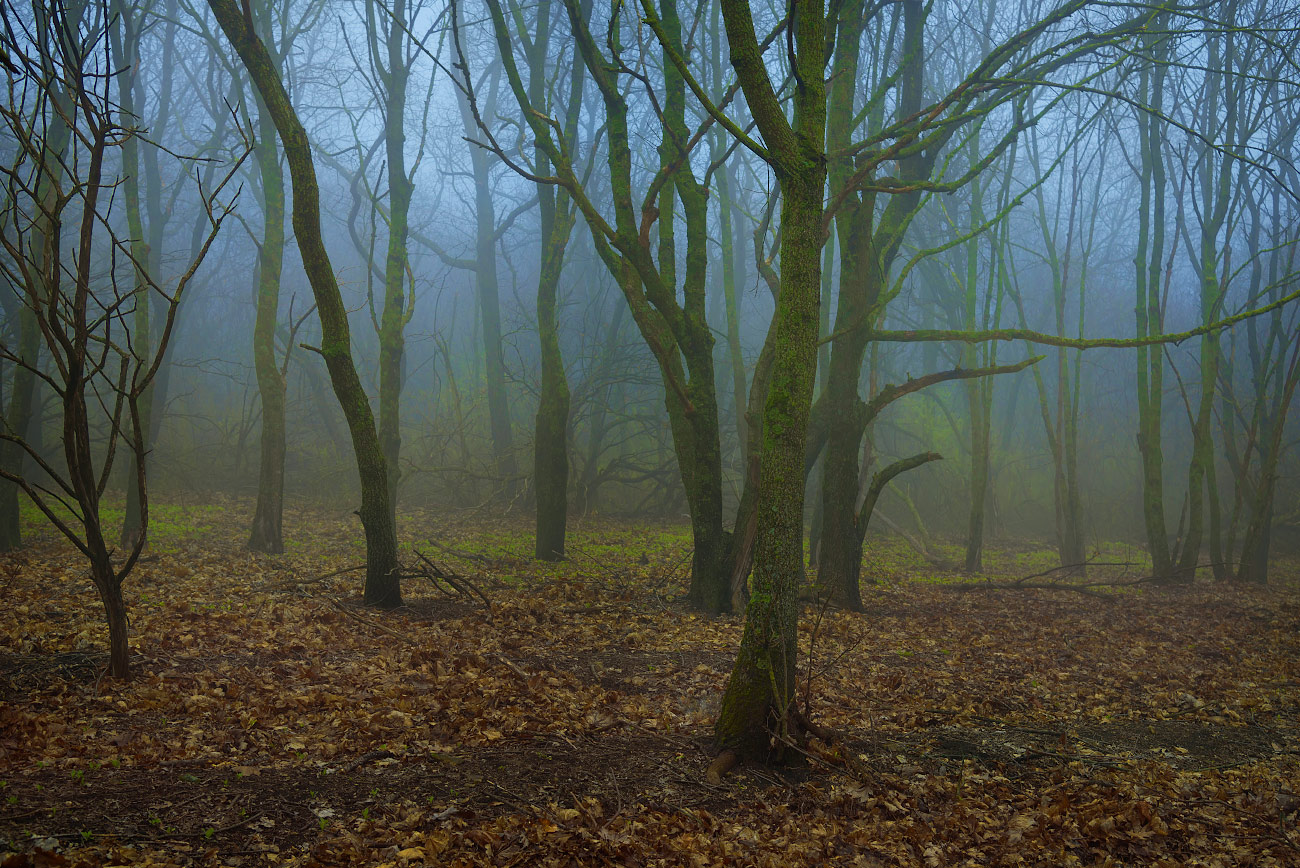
{"x":275,"y":721}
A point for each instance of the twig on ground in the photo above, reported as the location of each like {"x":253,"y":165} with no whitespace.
{"x":1041,"y":586}
{"x":1086,"y":588}
{"x":1068,"y":568}
{"x":367,"y":757}
{"x":291,"y":584}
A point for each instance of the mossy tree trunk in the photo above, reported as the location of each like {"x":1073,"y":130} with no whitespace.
{"x":551,"y":432}
{"x":1149,"y":316}
{"x":1214,"y":173}
{"x":760,"y":692}
{"x":701,"y":448}
{"x":388,"y":31}
{"x":756,"y":706}
{"x":382,"y":587}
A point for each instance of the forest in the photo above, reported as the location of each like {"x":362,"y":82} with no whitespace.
{"x":488,"y":432}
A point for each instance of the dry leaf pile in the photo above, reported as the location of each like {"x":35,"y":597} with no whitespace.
{"x":274,"y":721}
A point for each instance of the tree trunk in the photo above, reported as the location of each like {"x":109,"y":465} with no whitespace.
{"x":979,"y":400}
{"x":558,"y":217}
{"x":589,"y":484}
{"x":551,"y":443}
{"x":1150,"y":360}
{"x":395,"y":315}
{"x":268,"y":517}
{"x":760,"y":691}
{"x":759,"y":698}
{"x":1255,"y":544}
{"x":124,"y":37}
{"x":732,"y":277}
{"x":867,"y":252}
{"x":110,"y":594}
{"x":487,"y":289}
{"x":383,"y":586}
{"x":18,"y":421}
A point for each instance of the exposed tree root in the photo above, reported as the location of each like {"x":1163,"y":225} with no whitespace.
{"x":798,"y":727}
{"x":722,"y":763}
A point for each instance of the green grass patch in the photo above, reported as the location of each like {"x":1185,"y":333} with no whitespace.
{"x":171,"y":526}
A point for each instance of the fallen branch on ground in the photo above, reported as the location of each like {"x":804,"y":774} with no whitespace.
{"x":435,"y":573}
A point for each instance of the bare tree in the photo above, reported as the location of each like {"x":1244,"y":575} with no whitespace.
{"x":57,"y":186}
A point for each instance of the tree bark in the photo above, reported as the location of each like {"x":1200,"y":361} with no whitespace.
{"x":759,"y":697}
{"x":268,"y":516}
{"x":558,"y":217}
{"x":487,"y":288}
{"x":867,"y":249}
{"x":1150,"y":360}
{"x":18,"y":421}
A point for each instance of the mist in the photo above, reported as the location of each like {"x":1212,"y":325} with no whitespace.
{"x":769,"y":312}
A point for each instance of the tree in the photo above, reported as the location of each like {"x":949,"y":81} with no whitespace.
{"x":383,"y":583}
{"x":558,"y":218}
{"x":672,"y":320}
{"x":757,"y":709}
{"x":1148,"y":308}
{"x":267,"y":533}
{"x":488,"y":289}
{"x":390,"y":50}
{"x":149,"y":197}
{"x":66,"y":124}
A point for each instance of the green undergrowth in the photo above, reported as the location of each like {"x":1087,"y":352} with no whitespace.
{"x":172,"y":526}
{"x":607,"y":550}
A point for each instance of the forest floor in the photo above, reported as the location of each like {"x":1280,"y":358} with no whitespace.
{"x":274,"y":721}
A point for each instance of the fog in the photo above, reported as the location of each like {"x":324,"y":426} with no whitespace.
{"x":563,"y":432}
{"x":999,"y":182}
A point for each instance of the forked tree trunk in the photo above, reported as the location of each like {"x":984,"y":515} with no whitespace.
{"x":868,"y":245}
{"x":759,"y":697}
{"x":760,"y":692}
